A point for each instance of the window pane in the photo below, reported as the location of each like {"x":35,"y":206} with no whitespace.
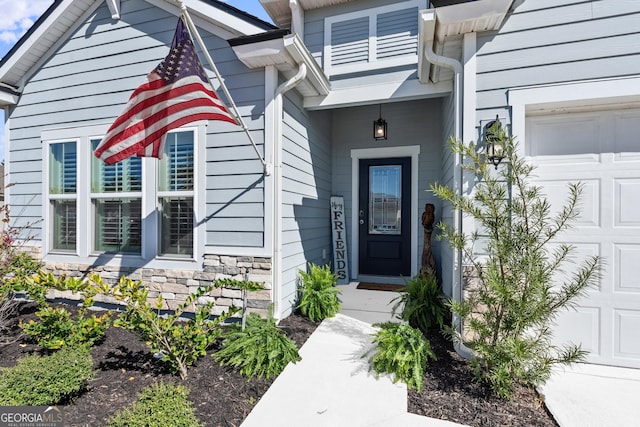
{"x":122,"y":176}
{"x":176,"y":166}
{"x":62,"y":168}
{"x":385,"y":196}
{"x":118,"y":225}
{"x":64,"y":224}
{"x":177,"y":225}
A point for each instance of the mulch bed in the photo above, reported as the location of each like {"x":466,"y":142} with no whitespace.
{"x":449,"y":393}
{"x":222,"y":397}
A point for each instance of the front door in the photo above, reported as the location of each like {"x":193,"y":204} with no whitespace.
{"x":385,"y":217}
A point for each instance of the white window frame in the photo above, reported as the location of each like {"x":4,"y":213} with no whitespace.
{"x":149,"y":257}
{"x":372,"y":63}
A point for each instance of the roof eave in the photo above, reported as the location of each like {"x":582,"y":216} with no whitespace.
{"x":286,"y":54}
{"x":439,"y":24}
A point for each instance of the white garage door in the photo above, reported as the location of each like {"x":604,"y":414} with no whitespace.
{"x":602,"y":150}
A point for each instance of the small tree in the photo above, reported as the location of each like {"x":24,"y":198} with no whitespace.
{"x":509,"y":309}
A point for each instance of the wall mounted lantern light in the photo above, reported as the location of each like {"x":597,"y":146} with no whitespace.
{"x":493,"y":140}
{"x":380,"y":127}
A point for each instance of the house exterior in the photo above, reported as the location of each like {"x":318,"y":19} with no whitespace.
{"x":564,"y":75}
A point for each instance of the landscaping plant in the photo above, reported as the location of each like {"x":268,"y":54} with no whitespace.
{"x":423,"y":303}
{"x":15,"y":267}
{"x":159,"y":405}
{"x":318,"y":293}
{"x":260,"y":349}
{"x":515,"y":292}
{"x":178,"y":341}
{"x":402,"y":351}
{"x":56,"y":328}
{"x":46,"y":380}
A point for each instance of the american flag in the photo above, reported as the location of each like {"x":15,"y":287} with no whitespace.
{"x":177,"y":92}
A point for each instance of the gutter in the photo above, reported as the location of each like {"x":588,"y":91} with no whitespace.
{"x":277,"y":177}
{"x":428,"y":19}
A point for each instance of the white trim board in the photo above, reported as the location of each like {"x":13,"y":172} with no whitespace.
{"x":572,"y":95}
{"x":412,"y":151}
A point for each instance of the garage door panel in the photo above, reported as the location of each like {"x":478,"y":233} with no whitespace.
{"x":627,"y":135}
{"x":580,"y":326}
{"x":627,"y":334}
{"x":627,"y":194}
{"x":557,"y":193}
{"x":557,"y":138}
{"x":627,"y":268}
{"x":581,"y":251}
{"x":606,"y":320}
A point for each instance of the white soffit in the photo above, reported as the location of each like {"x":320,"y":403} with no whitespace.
{"x":286,"y":53}
{"x":42,"y":40}
{"x":442,"y":29}
{"x":280,"y":11}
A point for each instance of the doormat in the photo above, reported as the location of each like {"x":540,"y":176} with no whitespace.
{"x":380,"y":286}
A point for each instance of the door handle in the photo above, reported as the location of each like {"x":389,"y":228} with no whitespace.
{"x":362,"y":222}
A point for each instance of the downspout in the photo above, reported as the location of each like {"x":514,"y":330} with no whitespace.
{"x":456,"y":66}
{"x":277,"y":176}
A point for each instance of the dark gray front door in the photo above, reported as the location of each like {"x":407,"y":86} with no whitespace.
{"x":385,"y":217}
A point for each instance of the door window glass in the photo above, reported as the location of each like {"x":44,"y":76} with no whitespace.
{"x":385,"y":198}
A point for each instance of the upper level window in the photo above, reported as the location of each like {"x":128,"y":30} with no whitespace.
{"x":371,"y":39}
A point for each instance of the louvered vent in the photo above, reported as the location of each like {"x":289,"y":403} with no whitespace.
{"x":397,"y":33}
{"x":350,"y":42}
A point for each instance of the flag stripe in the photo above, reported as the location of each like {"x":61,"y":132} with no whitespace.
{"x":176,"y":93}
{"x":144,"y":134}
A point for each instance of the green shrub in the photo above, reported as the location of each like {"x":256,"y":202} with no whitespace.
{"x":46,"y":380}
{"x":509,"y":311}
{"x":181,"y":342}
{"x":318,"y":293}
{"x":423,"y":303}
{"x":56,"y":327}
{"x":159,"y":405}
{"x":260,"y":349}
{"x":402,"y":351}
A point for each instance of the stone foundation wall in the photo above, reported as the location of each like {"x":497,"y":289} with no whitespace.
{"x":176,"y":285}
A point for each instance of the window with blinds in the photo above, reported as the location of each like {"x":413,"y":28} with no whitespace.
{"x":380,"y":37}
{"x":175,"y":191}
{"x":62,"y":195}
{"x":116,"y":195}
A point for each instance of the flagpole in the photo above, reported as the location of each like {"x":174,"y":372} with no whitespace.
{"x":196,"y":34}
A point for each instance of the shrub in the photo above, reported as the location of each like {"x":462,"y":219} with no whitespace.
{"x":46,"y":380}
{"x":260,"y":349}
{"x":423,"y":304}
{"x":15,"y":267}
{"x":181,"y":342}
{"x":509,"y":311}
{"x":402,"y":351}
{"x":56,"y":328}
{"x":318,"y":293}
{"x":159,"y":405}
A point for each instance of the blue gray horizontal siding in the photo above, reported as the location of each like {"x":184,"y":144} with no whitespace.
{"x":89,"y":80}
{"x":547,"y":41}
{"x":306,"y":183}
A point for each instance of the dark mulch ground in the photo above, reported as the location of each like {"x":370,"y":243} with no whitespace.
{"x":450,"y":394}
{"x":224,"y":398}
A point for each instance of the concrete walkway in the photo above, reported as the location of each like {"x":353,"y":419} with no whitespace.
{"x":332,"y":386}
{"x":594,"y":396}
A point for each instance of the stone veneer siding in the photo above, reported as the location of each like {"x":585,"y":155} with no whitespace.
{"x":176,"y":285}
